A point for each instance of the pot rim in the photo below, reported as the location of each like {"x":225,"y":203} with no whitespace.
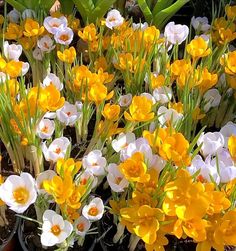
{"x":14,"y":230}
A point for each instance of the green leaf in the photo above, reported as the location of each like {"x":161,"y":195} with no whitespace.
{"x":160,"y":5}
{"x":46,"y":4}
{"x":164,"y":15}
{"x":67,"y":6}
{"x":17,"y":5}
{"x":85,"y":8}
{"x":100,"y":9}
{"x":146,"y":11}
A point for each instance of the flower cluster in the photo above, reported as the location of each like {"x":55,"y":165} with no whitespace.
{"x":124,"y":108}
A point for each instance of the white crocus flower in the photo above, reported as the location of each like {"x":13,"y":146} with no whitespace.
{"x":12,"y":51}
{"x":87,"y":176}
{"x":55,"y":229}
{"x":94,"y":210}
{"x":206,"y":169}
{"x":158,"y":163}
{"x":3,"y":77}
{"x":52,"y":24}
{"x":18,"y":192}
{"x":123,"y":141}
{"x":140,"y":26}
{"x":226,"y":166}
{"x":46,"y":175}
{"x":211,"y":99}
{"x":95,"y":163}
{"x":212,"y":143}
{"x":45,"y":44}
{"x":139,"y":145}
{"x":200,"y":23}
{"x":28,"y":13}
{"x":51,"y":78}
{"x":37,"y":54}
{"x":64,"y":35}
{"x":14,"y":16}
{"x":79,"y":106}
{"x":116,"y":179}
{"x":82,"y":225}
{"x":176,"y":33}
{"x":45,"y":129}
{"x":166,"y":115}
{"x":125,"y":100}
{"x":228,"y":130}
{"x":25,"y":68}
{"x":149,"y":97}
{"x":56,"y":150}
{"x":114,"y":19}
{"x":68,"y":114}
{"x":162,"y":94}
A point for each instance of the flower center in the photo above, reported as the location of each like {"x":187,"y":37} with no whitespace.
{"x":93,"y":211}
{"x":83,"y":181}
{"x":112,"y":19}
{"x":64,"y":37}
{"x":56,"y":230}
{"x":68,"y":113}
{"x":45,"y":45}
{"x":58,"y":150}
{"x":21,"y":195}
{"x":80,"y":227}
{"x":44,"y":129}
{"x":118,"y":180}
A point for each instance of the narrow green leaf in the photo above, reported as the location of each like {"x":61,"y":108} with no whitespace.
{"x":67,"y":6}
{"x":47,"y":4}
{"x":160,"y":5}
{"x":85,"y":8}
{"x":146,"y":11}
{"x":17,"y":5}
{"x":100,"y":9}
{"x":164,"y":15}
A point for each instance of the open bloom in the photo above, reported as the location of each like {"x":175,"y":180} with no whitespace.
{"x":125,"y":100}
{"x":82,"y":226}
{"x":56,"y":150}
{"x":45,"y":44}
{"x":18,"y":192}
{"x":46,"y":175}
{"x":95,"y":163}
{"x":64,"y":35}
{"x":212,"y":142}
{"x":12,"y":51}
{"x":52,"y":24}
{"x":68,"y":55}
{"x":94,"y":210}
{"x":55,"y":229}
{"x":116,"y":179}
{"x":45,"y":128}
{"x":51,"y":78}
{"x":228,"y":130}
{"x":122,"y":141}
{"x":140,"y":110}
{"x":68,"y":114}
{"x":176,"y":33}
{"x":32,"y":28}
{"x":200,"y":23}
{"x":162,"y":94}
{"x":198,"y":48}
{"x":114,"y":19}
{"x":166,"y":115}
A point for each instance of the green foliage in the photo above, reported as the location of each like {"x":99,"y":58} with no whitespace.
{"x":21,"y":5}
{"x":159,"y":12}
{"x":91,"y":10}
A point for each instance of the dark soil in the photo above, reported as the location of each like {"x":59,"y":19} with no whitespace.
{"x":6,"y":231}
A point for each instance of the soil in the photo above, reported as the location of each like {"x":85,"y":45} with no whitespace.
{"x":6,"y":231}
